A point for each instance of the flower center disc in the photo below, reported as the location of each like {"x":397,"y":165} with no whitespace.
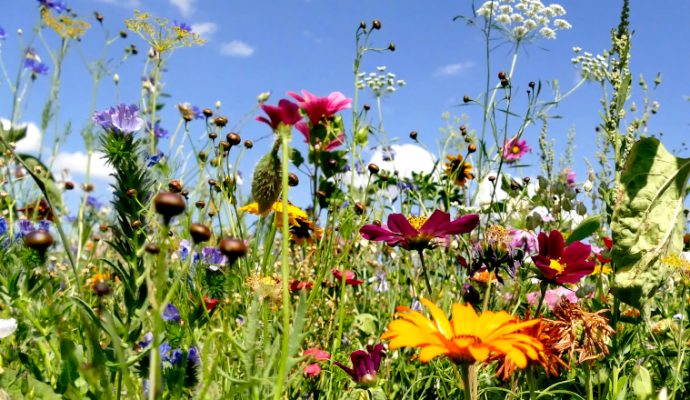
{"x":516,"y":150}
{"x":416,"y":222}
{"x":556,"y":265}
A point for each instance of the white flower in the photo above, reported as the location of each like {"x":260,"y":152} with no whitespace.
{"x":519,"y":32}
{"x":529,"y":24}
{"x":506,"y":9}
{"x":562,"y":24}
{"x":577,"y":49}
{"x":542,"y":20}
{"x":547,"y":33}
{"x":503,"y":19}
{"x":381,"y":68}
{"x":7,"y":327}
{"x":557,"y":9}
{"x":517,"y":18}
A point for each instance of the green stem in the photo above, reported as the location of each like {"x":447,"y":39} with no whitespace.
{"x":424,"y":271}
{"x":544,"y":286}
{"x":285,"y":276}
{"x":487,"y":294}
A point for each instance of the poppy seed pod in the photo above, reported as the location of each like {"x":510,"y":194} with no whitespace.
{"x":220,"y":122}
{"x":169,"y":205}
{"x":38,"y":240}
{"x":232,"y":249}
{"x":200,"y":233}
{"x":234,"y":139}
{"x":293,"y":180}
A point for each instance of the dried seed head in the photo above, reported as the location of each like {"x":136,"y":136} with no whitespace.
{"x":200,"y":204}
{"x":208,"y":113}
{"x":200,"y":233}
{"x":376,"y":24}
{"x":466,"y":99}
{"x":212,"y":135}
{"x":413,"y":135}
{"x":175,"y":186}
{"x":220,"y":122}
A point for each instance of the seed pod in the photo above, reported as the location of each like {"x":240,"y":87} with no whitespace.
{"x":359,"y":208}
{"x":366,"y":107}
{"x":248,"y":144}
{"x":413,"y":135}
{"x":293,"y":180}
{"x":466,"y":99}
{"x":152,"y":248}
{"x":220,"y":122}
{"x":373,"y":169}
{"x":200,"y":233}
{"x":376,"y":24}
{"x":471,"y":148}
{"x":39,"y":240}
{"x":531,"y":84}
{"x":208,"y":113}
{"x":69,"y":185}
{"x":202,"y":156}
{"x":136,"y":224}
{"x":232,"y":249}
{"x":169,"y":205}
{"x":132,"y":192}
{"x":266,"y":181}
{"x":175,"y":186}
{"x":212,"y":135}
{"x":234,"y":139}
{"x":200,"y":204}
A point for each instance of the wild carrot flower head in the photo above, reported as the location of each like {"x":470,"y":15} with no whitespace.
{"x":321,"y":108}
{"x":458,"y":171}
{"x":514,"y":149}
{"x":122,"y":119}
{"x":417,"y":233}
{"x":467,"y":338}
{"x":285,"y":113}
{"x":365,"y":365}
{"x":562,"y":264}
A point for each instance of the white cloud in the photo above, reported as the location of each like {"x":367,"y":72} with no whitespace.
{"x":405,"y":159}
{"x":31,"y":142}
{"x":205,"y":29}
{"x":186,"y":7}
{"x":75,"y":163}
{"x":236,"y":48}
{"x":454,"y":69}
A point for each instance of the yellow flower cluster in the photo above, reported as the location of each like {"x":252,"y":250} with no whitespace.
{"x":160,"y":34}
{"x":64,"y":26}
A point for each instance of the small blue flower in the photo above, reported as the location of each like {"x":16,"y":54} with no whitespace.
{"x":198,"y":113}
{"x":3,"y":35}
{"x":171,"y":314}
{"x":3,"y":226}
{"x":146,"y":340}
{"x":175,"y":357}
{"x":152,"y":160}
{"x":122,"y":119}
{"x":388,"y":154}
{"x":158,"y":130}
{"x":416,"y":305}
{"x":33,"y":62}
{"x":25,"y":227}
{"x":382,"y":284}
{"x":183,"y":26}
{"x":193,"y":355}
{"x":213,"y":257}
{"x":56,"y":5}
{"x":93,"y":202}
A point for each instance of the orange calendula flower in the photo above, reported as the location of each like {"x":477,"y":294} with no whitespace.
{"x":294,"y":213}
{"x":468,"y":338}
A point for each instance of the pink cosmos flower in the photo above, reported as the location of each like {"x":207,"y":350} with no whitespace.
{"x":349,"y":277}
{"x":514,"y":149}
{"x":303,"y":127}
{"x":321,"y":107}
{"x":286,"y":112}
{"x":524,"y":240}
{"x":418,"y":233}
{"x":552,"y":296}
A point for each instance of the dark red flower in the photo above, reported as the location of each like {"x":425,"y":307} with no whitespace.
{"x":417,"y":233}
{"x":210,"y":303}
{"x":562,"y":264}
{"x":609,"y":245}
{"x":297,"y":285}
{"x":286,"y":112}
{"x":365,"y":365}
{"x":349,"y":277}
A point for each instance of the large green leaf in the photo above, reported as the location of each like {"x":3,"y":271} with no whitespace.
{"x":586,"y":228}
{"x":648,"y":219}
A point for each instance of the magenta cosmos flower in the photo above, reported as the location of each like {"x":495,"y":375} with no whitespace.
{"x":514,"y":149}
{"x":562,"y":264}
{"x":318,"y":108}
{"x":286,"y":112}
{"x":417,"y":233}
{"x":303,"y":127}
{"x":365,"y":365}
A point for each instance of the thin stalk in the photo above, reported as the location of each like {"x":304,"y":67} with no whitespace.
{"x":424,"y":271}
{"x":285,"y":275}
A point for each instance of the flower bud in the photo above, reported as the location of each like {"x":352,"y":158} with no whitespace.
{"x":531,"y":84}
{"x":208,"y":113}
{"x":248,"y":144}
{"x":123,"y":34}
{"x":366,"y":107}
{"x":217,"y":104}
{"x":501,"y":75}
{"x":200,"y":233}
{"x":69,"y":185}
{"x":413,"y":135}
{"x":373,"y":169}
{"x":266,"y":182}
{"x":359,"y":208}
{"x":98,"y":16}
{"x":263,"y":97}
{"x":116,"y":79}
{"x":88,"y":187}
{"x":466,"y":99}
{"x":175,"y":186}
{"x":293,"y":180}
{"x":200,"y":204}
{"x":362,"y":25}
{"x":39,"y":240}
{"x":152,"y":248}
{"x":169,"y":205}
{"x":212,"y":135}
{"x":132,"y":192}
{"x":391,"y":46}
{"x":471,"y":148}
{"x":220,"y":122}
{"x":232,"y":249}
{"x":234,"y":139}
{"x":376,"y":24}
{"x":224,"y":146}
{"x":505,"y":82}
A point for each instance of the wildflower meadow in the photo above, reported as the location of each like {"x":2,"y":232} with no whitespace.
{"x":293,"y":246}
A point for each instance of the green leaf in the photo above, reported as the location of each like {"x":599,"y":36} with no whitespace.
{"x":14,"y":133}
{"x":586,"y":228}
{"x":642,"y":384}
{"x":648,"y":220}
{"x":296,"y":158}
{"x":366,"y":323}
{"x":46,"y":179}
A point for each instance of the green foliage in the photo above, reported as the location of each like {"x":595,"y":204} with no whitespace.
{"x":648,"y":219}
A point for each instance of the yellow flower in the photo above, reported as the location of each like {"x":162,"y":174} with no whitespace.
{"x":468,"y":338}
{"x":602,"y":269}
{"x":160,"y":34}
{"x":458,"y":170}
{"x":64,"y":25}
{"x":294,"y":213}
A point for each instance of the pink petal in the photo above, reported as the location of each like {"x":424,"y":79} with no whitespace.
{"x":436,"y":223}
{"x":399,"y":224}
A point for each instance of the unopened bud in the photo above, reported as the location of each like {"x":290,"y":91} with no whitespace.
{"x":376,"y":24}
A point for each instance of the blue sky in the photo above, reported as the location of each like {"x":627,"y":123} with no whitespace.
{"x":278,"y":46}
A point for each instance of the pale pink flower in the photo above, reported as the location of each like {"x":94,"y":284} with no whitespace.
{"x":552,"y":296}
{"x":514,"y":149}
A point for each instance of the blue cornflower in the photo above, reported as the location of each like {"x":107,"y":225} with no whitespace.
{"x":175,"y":357}
{"x":387,"y":153}
{"x":25,"y":227}
{"x":3,"y":35}
{"x":183,"y":26}
{"x":158,"y":130}
{"x":93,"y":202}
{"x":198,"y":112}
{"x":171,"y":314}
{"x":56,"y":5}
{"x":123,"y":119}
{"x":33,"y":63}
{"x":152,"y":160}
{"x":3,"y":226}
{"x":146,"y":340}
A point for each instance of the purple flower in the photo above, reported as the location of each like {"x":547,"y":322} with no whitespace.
{"x":183,"y":26}
{"x":524,"y":240}
{"x":365,"y":365}
{"x":122,"y":119}
{"x":152,"y":160}
{"x":146,"y":340}
{"x":388,"y":153}
{"x":417,"y":233}
{"x":55,"y":5}
{"x":193,"y":355}
{"x":33,"y":63}
{"x":93,"y":202}
{"x":570,"y":177}
{"x":3,"y":35}
{"x":174,"y":357}
{"x":213,"y":257}
{"x":198,"y":112}
{"x":171,"y":314}
{"x":3,"y":226}
{"x":158,"y":130}
{"x":382,"y":284}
